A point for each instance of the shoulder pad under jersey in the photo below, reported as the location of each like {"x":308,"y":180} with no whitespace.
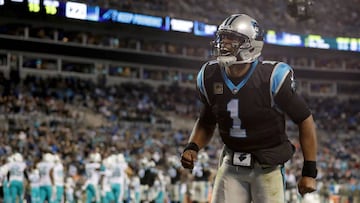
{"x":200,"y":82}
{"x":278,"y":75}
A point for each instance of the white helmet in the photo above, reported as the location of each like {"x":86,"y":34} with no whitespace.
{"x":120,"y":158}
{"x":48,"y":157}
{"x":95,"y":157}
{"x":57,"y":158}
{"x":150,"y":164}
{"x":247,"y":36}
{"x":107,"y":162}
{"x":144,"y":162}
{"x":18,"y":157}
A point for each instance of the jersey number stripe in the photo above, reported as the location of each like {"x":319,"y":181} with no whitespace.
{"x":235,"y":130}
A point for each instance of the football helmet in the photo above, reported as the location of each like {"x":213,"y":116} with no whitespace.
{"x":57,"y":158}
{"x":151,"y":164}
{"x":120,"y":158}
{"x":144,"y":162}
{"x":245,"y":40}
{"x":48,"y":157}
{"x":107,"y":162}
{"x":95,"y":157}
{"x":18,"y":157}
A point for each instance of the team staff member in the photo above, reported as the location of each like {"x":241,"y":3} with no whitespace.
{"x":248,"y":100}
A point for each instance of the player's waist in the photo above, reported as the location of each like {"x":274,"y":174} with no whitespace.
{"x":243,"y":159}
{"x":267,"y":157}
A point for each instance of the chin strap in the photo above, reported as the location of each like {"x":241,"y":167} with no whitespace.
{"x":227,"y":61}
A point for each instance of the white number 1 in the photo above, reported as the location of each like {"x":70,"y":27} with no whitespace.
{"x":235,"y":130}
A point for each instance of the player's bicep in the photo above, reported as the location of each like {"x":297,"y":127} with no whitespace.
{"x":290,"y":102}
{"x":207,"y":117}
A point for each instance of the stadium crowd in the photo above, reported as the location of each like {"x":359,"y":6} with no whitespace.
{"x":158,"y":46}
{"x":75,"y":119}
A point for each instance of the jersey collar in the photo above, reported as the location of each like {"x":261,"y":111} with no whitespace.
{"x":235,"y":88}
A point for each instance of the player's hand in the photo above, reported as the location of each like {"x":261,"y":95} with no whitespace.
{"x":306,"y":185}
{"x":188,"y":158}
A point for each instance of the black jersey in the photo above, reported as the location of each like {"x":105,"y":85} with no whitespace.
{"x":175,"y":174}
{"x":149,"y":177}
{"x":251,"y":114}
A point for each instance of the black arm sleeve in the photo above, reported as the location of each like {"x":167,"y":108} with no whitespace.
{"x":291,"y":103}
{"x":207,"y":118}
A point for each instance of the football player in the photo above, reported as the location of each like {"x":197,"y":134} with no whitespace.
{"x":248,"y":100}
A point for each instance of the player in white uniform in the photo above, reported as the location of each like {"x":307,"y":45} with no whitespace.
{"x":174,"y":172}
{"x":58,"y":173}
{"x":118,"y":177}
{"x":160,"y":185}
{"x":134,"y":187}
{"x":4,"y":170}
{"x":92,"y":170}
{"x":16,"y":179}
{"x":46,"y":176}
{"x":69,"y":190}
{"x":201,"y":184}
{"x":34,"y":178}
{"x":107,"y":195}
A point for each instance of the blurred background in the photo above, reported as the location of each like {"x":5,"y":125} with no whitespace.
{"x":118,"y":77}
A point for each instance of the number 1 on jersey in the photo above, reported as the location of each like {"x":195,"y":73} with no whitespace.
{"x":235,"y":130}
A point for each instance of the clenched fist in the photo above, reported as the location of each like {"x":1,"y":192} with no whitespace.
{"x":306,"y":185}
{"x":188,"y":158}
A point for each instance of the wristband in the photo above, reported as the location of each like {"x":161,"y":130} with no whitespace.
{"x":192,"y":146}
{"x":309,"y":169}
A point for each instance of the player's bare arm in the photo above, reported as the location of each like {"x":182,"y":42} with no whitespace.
{"x":308,"y":141}
{"x":200,"y":136}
